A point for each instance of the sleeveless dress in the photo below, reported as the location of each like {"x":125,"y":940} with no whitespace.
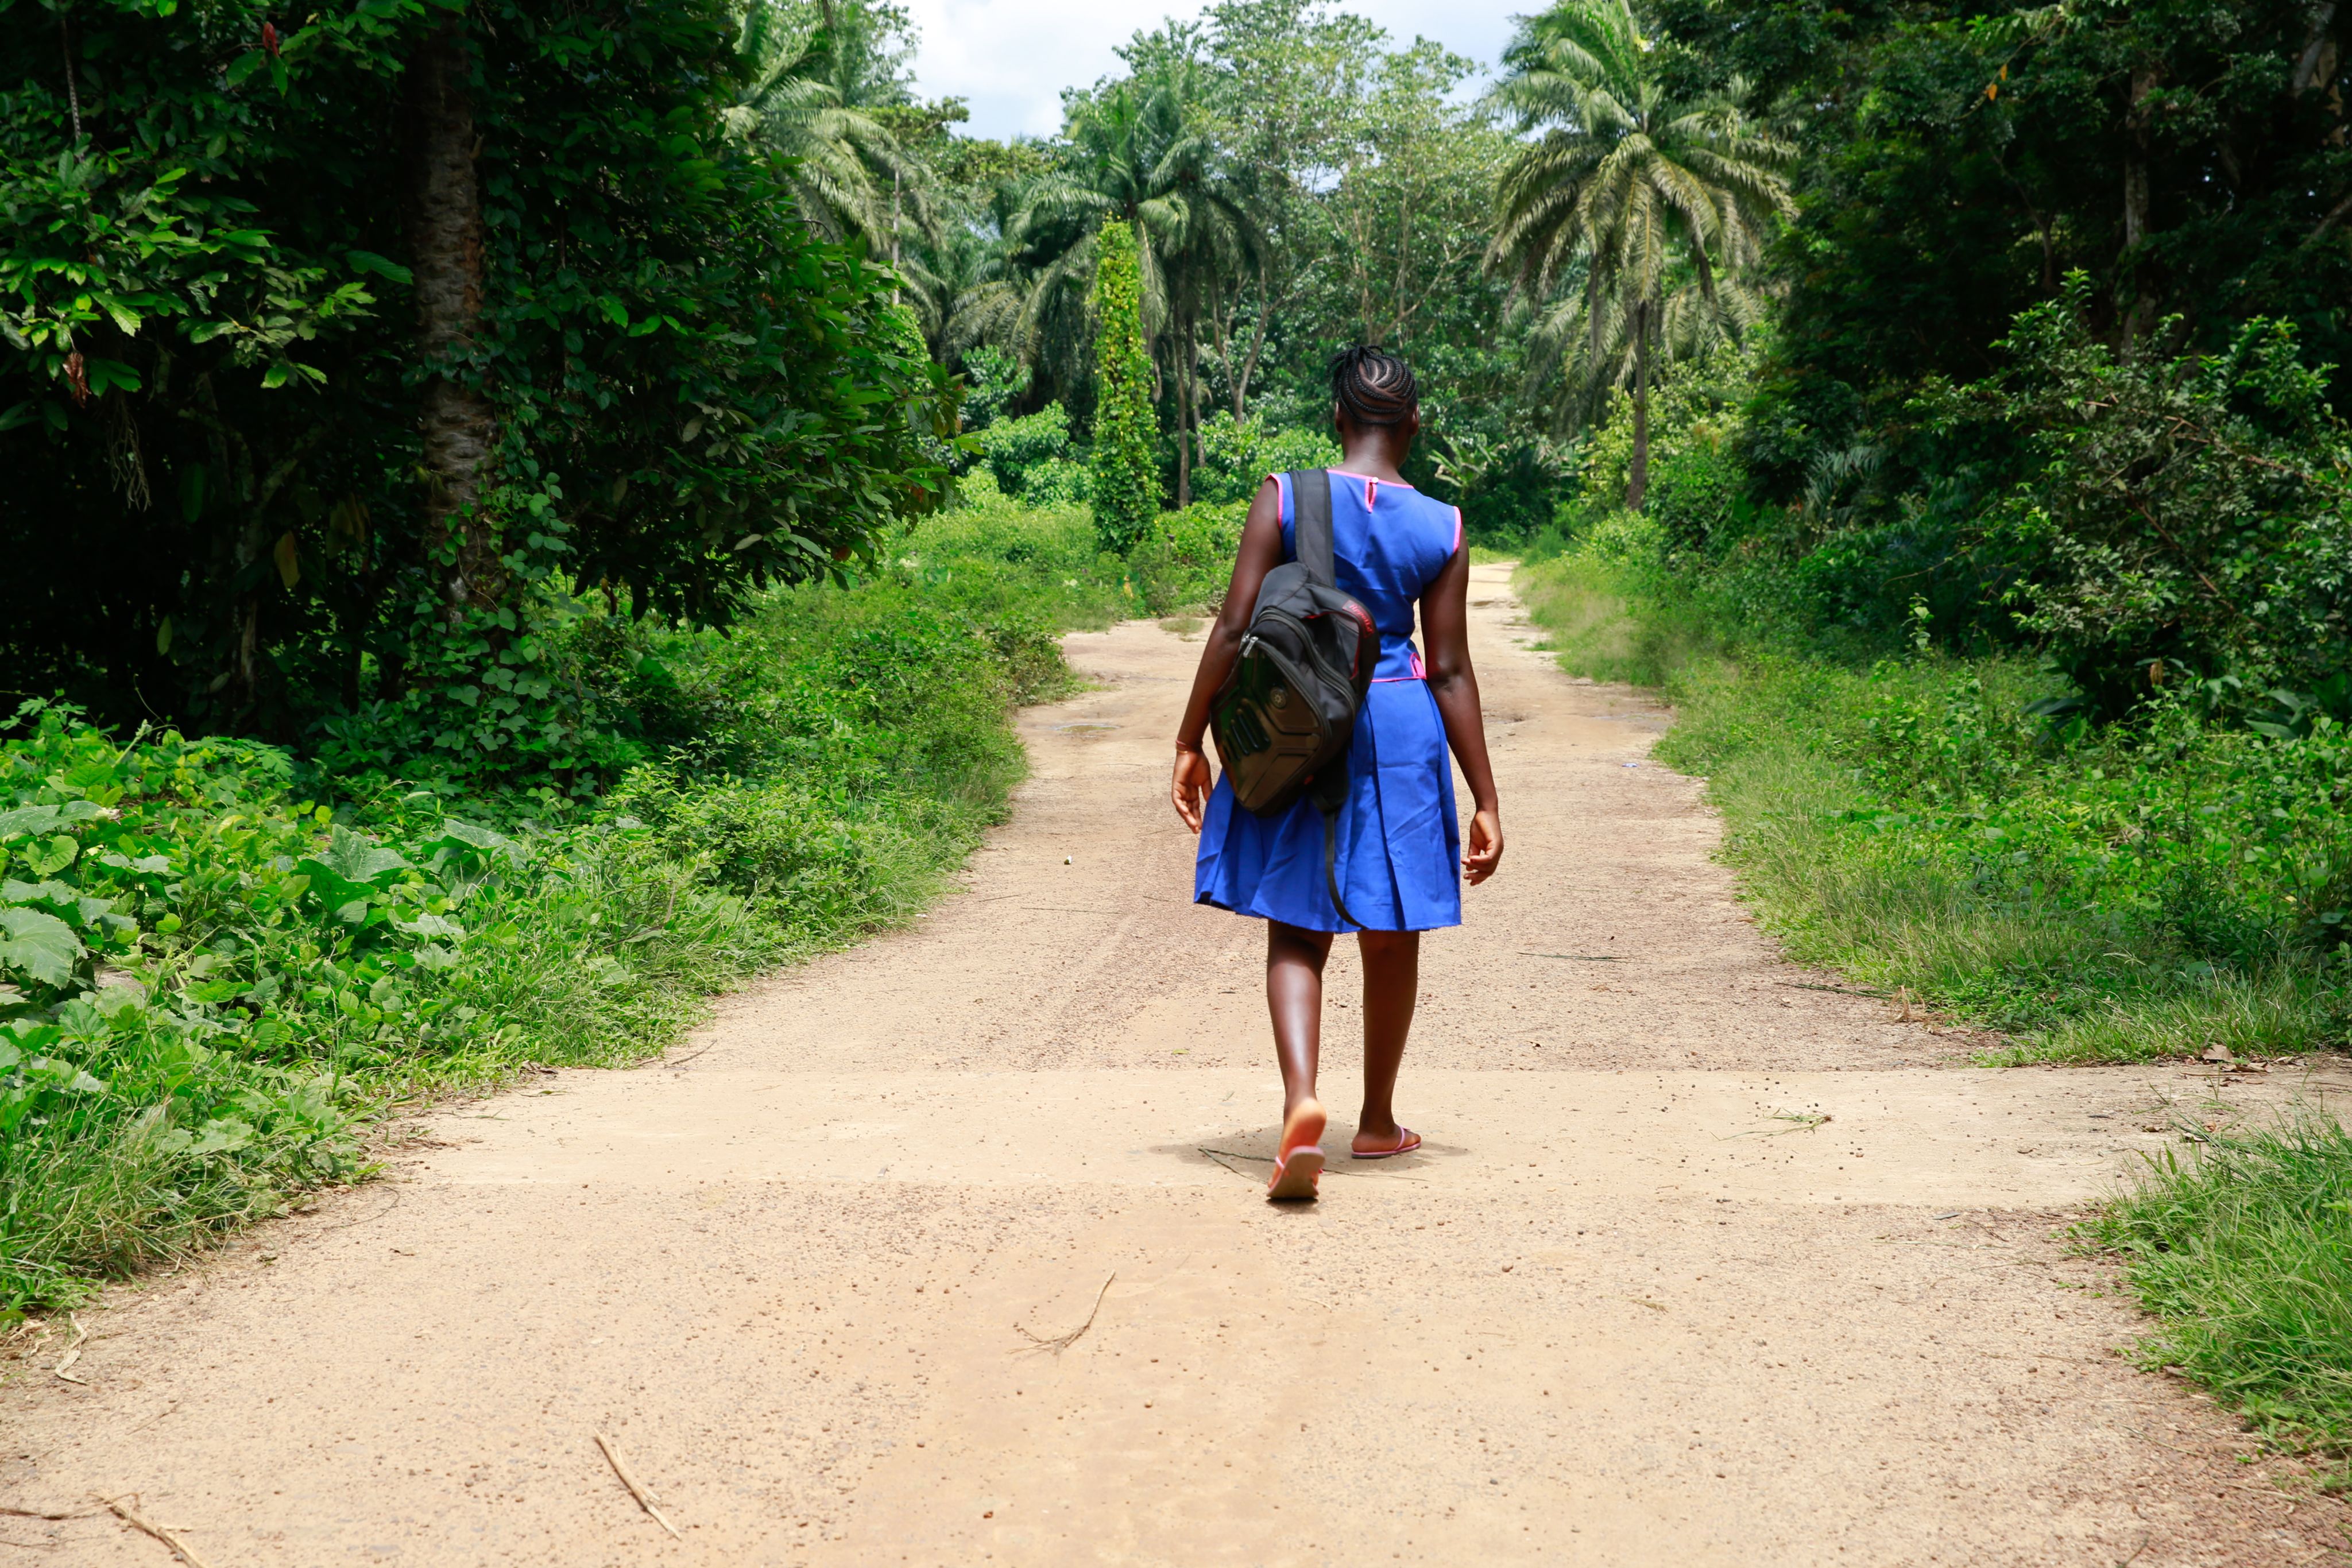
{"x":1399,"y":843}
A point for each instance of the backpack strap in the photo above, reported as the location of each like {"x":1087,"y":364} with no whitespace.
{"x":1310,"y":502}
{"x":1330,"y":795}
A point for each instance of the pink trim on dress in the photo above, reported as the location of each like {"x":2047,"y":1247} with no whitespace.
{"x":1457,"y":532}
{"x":1355,"y":476}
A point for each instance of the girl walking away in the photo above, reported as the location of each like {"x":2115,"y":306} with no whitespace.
{"x":1392,"y":859}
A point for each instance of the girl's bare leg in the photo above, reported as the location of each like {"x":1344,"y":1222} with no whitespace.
{"x":1293,"y":996}
{"x":1391,"y":987}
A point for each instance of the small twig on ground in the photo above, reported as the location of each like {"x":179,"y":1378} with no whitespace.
{"x":37,"y":1513}
{"x":129,"y":1517}
{"x":645,"y":1498}
{"x":1062,"y":1341}
{"x":1841,"y":990}
{"x":1905,"y":993}
{"x":73,"y":1352}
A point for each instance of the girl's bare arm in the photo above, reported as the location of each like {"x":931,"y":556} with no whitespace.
{"x":1445,"y":625}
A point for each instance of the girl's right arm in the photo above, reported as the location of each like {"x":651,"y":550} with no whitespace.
{"x":1260,"y":552}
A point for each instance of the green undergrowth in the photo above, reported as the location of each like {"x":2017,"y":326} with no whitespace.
{"x":2243,"y":1249}
{"x":217,"y":967}
{"x":2113,"y":894}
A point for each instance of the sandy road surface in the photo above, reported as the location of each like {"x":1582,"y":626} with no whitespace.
{"x":1622,"y":1310}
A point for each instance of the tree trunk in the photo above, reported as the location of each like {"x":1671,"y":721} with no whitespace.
{"x":2136,"y":203}
{"x":1637,"y":472}
{"x":1185,"y":422}
{"x":446,"y":242}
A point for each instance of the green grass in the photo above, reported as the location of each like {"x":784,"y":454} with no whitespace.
{"x":2244,"y":1250}
{"x":217,"y":973}
{"x":2112,"y":897}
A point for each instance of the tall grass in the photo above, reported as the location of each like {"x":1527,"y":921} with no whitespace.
{"x":2111,"y":896}
{"x":2244,"y":1251}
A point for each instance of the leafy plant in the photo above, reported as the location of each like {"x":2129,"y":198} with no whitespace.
{"x":2189,"y":517}
{"x":1126,"y":489}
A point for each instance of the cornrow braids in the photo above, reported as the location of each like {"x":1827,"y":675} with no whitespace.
{"x":1374,"y":386}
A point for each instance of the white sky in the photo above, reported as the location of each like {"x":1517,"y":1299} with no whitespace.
{"x":1010,"y":59}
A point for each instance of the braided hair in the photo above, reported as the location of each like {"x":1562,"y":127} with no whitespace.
{"x":1374,"y":386}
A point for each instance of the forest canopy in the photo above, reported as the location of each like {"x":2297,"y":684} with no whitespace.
{"x":350,"y":367}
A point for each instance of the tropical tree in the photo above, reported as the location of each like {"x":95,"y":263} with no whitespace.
{"x":1123,"y":490}
{"x":820,"y":91}
{"x":1634,"y":210}
{"x":1142,"y":151}
{"x":426,"y":315}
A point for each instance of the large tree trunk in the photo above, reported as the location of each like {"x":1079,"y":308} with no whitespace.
{"x":2136,"y":204}
{"x":1637,"y":472}
{"x":446,"y":242}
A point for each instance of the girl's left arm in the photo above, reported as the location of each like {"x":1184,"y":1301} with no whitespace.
{"x":1445,"y":624}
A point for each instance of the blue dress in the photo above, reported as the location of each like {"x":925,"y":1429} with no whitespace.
{"x":1399,"y":844}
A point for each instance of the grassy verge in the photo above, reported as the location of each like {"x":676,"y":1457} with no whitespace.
{"x":2092,"y":896}
{"x":216,"y":970}
{"x":2245,"y":1253}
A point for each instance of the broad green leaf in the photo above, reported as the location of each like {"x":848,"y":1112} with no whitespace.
{"x":355,"y":857}
{"x":368,"y":261}
{"x":27,"y":819}
{"x":38,"y":944}
{"x":53,"y":856}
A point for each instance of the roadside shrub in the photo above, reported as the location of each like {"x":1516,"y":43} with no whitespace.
{"x":1187,"y":558}
{"x":2189,"y":515}
{"x":215,"y":970}
{"x":1014,"y":447}
{"x":1237,"y":455}
{"x":206,"y":981}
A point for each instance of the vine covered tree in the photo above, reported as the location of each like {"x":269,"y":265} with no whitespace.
{"x":1124,"y":485}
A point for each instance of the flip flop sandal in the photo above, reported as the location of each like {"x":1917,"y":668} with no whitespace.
{"x":1300,"y":1162}
{"x":1296,"y":1173}
{"x":1407,"y":1141}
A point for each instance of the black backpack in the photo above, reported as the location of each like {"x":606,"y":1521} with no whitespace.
{"x":1284,"y":718}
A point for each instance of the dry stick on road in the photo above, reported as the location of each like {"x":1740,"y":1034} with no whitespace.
{"x":645,"y":1498}
{"x":1060,"y":1342}
{"x":187,"y":1553}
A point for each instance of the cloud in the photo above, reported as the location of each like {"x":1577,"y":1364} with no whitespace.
{"x":1010,"y":59}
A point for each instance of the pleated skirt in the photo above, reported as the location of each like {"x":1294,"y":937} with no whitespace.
{"x":1400,"y":847}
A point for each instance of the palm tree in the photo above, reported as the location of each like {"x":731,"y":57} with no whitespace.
{"x":1141,"y":154}
{"x":1657,"y":203}
{"x":809,"y":94}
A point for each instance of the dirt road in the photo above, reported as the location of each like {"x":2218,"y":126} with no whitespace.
{"x":1702,"y":1264}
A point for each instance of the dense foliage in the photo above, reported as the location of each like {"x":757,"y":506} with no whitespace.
{"x":310,"y":415}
